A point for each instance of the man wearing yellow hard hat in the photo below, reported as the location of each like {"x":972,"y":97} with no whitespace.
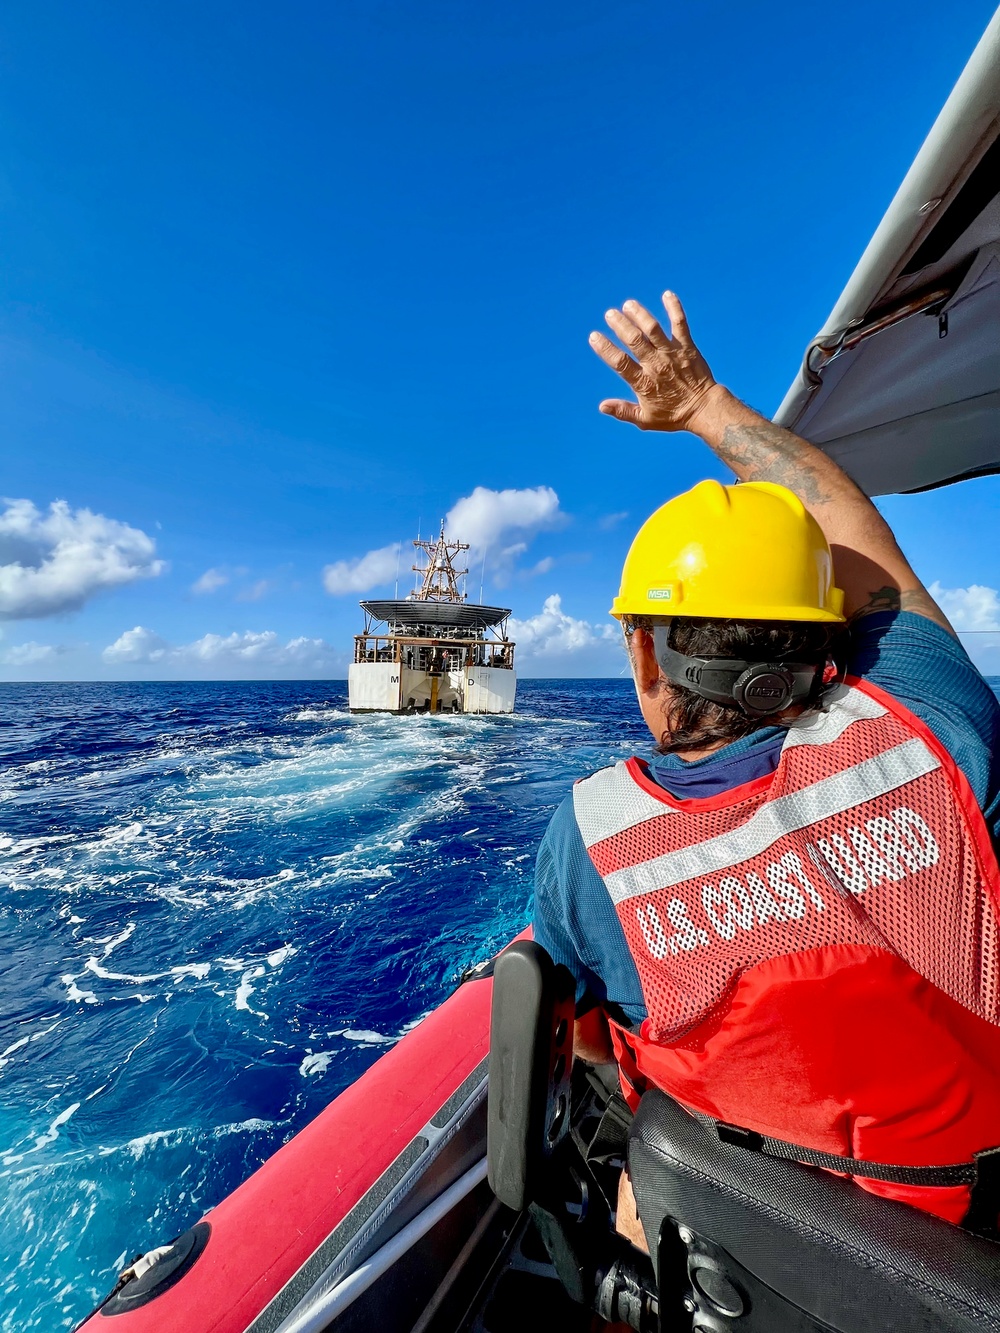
{"x":788,"y":916}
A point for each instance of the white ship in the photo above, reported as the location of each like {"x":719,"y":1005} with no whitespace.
{"x":433,"y":651}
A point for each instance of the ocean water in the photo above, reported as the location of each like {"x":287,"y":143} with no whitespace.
{"x":220,"y":904}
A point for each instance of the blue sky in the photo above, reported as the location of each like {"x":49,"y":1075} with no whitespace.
{"x":283,"y":282}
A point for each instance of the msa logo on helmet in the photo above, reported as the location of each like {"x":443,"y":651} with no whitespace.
{"x":660,"y":594}
{"x":760,"y":690}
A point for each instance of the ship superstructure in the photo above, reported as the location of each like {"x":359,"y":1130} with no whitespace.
{"x":433,"y":651}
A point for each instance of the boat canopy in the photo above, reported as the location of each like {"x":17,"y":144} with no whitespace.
{"x":409,"y":612}
{"x":902,"y":384}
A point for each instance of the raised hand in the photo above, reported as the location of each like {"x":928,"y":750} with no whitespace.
{"x":669,"y":376}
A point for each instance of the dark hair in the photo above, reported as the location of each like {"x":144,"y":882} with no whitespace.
{"x":693,"y":721}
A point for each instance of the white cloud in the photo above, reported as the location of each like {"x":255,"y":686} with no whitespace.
{"x":251,"y":653}
{"x":363,"y":573}
{"x":211,"y":581}
{"x":137,"y":645}
{"x":610,"y":521}
{"x":553,"y":633}
{"x":500,"y":523}
{"x":543,"y":566}
{"x":485,"y":517}
{"x":256,"y":591}
{"x":55,"y":561}
{"x":973,"y":608}
{"x":257,"y":648}
{"x":28,"y":654}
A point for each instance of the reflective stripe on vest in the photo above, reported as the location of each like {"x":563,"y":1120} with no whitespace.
{"x":866,"y":833}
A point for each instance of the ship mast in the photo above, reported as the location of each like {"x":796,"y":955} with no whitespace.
{"x":440,"y":577}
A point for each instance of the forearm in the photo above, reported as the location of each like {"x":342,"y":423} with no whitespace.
{"x":758,"y":450}
{"x":870,"y":567}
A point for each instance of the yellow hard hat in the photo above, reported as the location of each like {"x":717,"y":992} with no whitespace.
{"x":747,"y":552}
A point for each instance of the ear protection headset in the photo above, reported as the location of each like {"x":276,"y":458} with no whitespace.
{"x":758,"y":688}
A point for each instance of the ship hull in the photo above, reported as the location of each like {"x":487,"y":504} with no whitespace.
{"x":389,"y":687}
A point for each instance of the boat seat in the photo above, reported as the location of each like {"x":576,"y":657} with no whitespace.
{"x":531,"y":1059}
{"x":748,"y":1242}
{"x":541,"y":1124}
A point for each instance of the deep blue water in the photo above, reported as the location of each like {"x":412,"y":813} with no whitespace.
{"x":221,"y":902}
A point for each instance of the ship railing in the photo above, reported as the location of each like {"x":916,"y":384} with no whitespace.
{"x":433,"y":654}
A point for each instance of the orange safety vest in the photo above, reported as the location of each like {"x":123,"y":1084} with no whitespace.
{"x":819,"y":949}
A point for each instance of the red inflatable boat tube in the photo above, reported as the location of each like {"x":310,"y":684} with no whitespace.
{"x":261,"y":1235}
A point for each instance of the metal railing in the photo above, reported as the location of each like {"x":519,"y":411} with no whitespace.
{"x":433,"y":655}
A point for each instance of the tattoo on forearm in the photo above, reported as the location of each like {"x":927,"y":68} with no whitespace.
{"x":879,"y":599}
{"x":769,"y":453}
{"x":917,"y":600}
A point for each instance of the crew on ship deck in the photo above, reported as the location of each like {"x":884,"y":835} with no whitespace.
{"x":786,"y":916}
